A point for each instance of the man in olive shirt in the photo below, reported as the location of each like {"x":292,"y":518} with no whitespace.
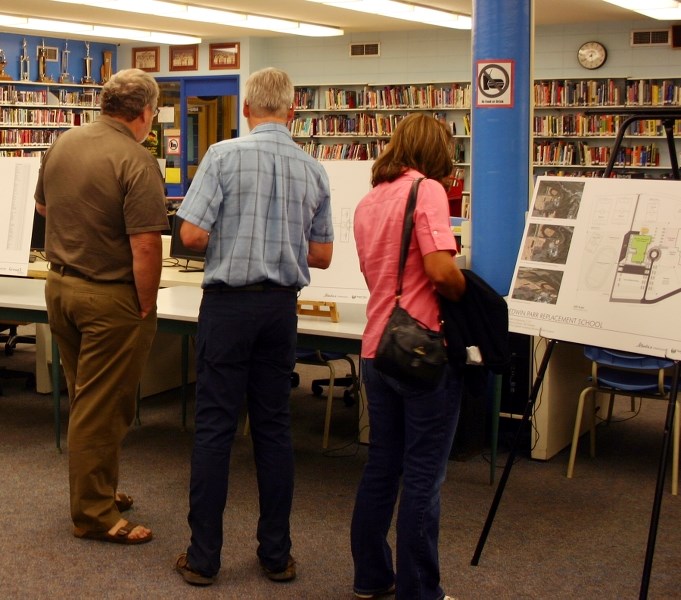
{"x":103,"y":197}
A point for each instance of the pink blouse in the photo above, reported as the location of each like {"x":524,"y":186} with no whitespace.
{"x":378,"y":232}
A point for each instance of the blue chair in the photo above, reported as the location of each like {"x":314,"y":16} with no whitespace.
{"x":619,"y":373}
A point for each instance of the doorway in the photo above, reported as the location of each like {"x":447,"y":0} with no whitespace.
{"x":204,"y":111}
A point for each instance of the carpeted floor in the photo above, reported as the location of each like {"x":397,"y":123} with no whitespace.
{"x":552,"y":537}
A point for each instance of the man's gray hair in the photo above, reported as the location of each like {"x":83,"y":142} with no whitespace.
{"x":127,"y":93}
{"x":269,"y":92}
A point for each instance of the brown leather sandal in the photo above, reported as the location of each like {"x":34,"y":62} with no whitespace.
{"x":122,"y":536}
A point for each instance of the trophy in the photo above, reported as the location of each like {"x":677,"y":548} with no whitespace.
{"x":24,"y":62}
{"x":105,"y":71}
{"x":42,"y":64}
{"x":3,"y":63}
{"x":87,"y":78}
{"x":65,"y":77}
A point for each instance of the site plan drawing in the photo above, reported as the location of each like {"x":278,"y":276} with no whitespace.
{"x":600,"y":263}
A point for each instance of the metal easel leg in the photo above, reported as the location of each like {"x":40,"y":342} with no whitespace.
{"x":659,"y":489}
{"x":511,"y":456}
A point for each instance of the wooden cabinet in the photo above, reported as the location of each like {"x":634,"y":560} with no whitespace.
{"x":32,"y":114}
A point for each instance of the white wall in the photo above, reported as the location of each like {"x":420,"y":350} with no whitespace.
{"x":433,"y":56}
{"x":445,"y":55}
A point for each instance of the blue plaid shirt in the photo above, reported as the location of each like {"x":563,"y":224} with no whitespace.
{"x":262,"y":199}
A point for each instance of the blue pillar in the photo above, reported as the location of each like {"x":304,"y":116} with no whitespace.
{"x":500,"y":144}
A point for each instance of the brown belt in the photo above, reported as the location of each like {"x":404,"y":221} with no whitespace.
{"x":71,"y":272}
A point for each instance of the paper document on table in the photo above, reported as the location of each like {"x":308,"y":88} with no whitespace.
{"x":19,"y":177}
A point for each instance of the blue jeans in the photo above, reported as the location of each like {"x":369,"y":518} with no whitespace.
{"x":411,"y":436}
{"x":245,"y":349}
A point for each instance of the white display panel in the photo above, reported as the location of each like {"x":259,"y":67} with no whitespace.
{"x":19,"y":177}
{"x":342,"y":282}
{"x":600,"y":264}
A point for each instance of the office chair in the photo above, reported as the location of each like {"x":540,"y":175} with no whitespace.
{"x":315,"y":357}
{"x":615,"y":372}
{"x":308,"y":356}
{"x":12,"y":337}
{"x":325,"y":359}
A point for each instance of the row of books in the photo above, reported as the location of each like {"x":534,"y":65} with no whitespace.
{"x":27,"y":137}
{"x":347,"y":151}
{"x":645,"y":92}
{"x":358,"y":124}
{"x":54,"y":117}
{"x":350,"y":125}
{"x":580,"y":153}
{"x":304,"y":97}
{"x":605,"y":92}
{"x":354,"y":150}
{"x":454,"y":95}
{"x":20,"y":153}
{"x":10,"y":94}
{"x":84,"y":98}
{"x":595,"y":125}
{"x":630,"y":174}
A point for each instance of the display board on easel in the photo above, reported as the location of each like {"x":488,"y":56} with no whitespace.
{"x":600,"y":264}
{"x":19,"y":176}
{"x":349,"y":180}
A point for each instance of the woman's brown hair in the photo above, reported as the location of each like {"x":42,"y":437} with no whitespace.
{"x":419,"y":142}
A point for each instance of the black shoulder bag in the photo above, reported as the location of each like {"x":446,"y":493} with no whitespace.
{"x":408,"y":350}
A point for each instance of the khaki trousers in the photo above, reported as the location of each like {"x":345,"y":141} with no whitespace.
{"x":104,"y":346}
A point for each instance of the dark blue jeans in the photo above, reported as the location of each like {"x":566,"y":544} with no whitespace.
{"x":245,"y":349}
{"x":411,"y":436}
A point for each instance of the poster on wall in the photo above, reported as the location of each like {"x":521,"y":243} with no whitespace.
{"x":600,"y":264}
{"x":349,"y":180}
{"x":17,"y":207}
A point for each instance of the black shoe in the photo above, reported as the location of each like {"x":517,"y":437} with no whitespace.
{"x":188,"y":574}
{"x":288,"y":574}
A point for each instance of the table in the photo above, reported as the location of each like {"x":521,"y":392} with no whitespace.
{"x":178,"y":312}
{"x":23,"y":299}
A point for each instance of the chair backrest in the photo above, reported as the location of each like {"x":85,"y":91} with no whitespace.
{"x":625,"y":360}
{"x":627,"y":371}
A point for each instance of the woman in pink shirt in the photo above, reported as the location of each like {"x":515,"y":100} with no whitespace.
{"x":412,"y":427}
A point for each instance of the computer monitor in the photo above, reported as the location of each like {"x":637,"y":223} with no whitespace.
{"x":180,"y":251}
{"x":38,"y":234}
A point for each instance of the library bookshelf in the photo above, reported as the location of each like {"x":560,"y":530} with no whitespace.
{"x":355,"y":122}
{"x":33,"y":114}
{"x":575,"y":124}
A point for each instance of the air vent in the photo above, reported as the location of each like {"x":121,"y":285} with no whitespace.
{"x":655,"y":37}
{"x":373,"y":49}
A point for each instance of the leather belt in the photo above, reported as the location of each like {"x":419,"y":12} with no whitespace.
{"x":265,"y":286}
{"x":71,"y":272}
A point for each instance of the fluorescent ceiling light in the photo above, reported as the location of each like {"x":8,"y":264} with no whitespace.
{"x":188,"y":12}
{"x":662,"y":10}
{"x":402,"y":10}
{"x":89,"y":30}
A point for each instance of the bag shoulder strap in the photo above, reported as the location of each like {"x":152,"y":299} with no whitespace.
{"x":407,"y":228}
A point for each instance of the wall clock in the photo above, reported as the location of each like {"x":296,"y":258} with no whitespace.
{"x":592,"y":55}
